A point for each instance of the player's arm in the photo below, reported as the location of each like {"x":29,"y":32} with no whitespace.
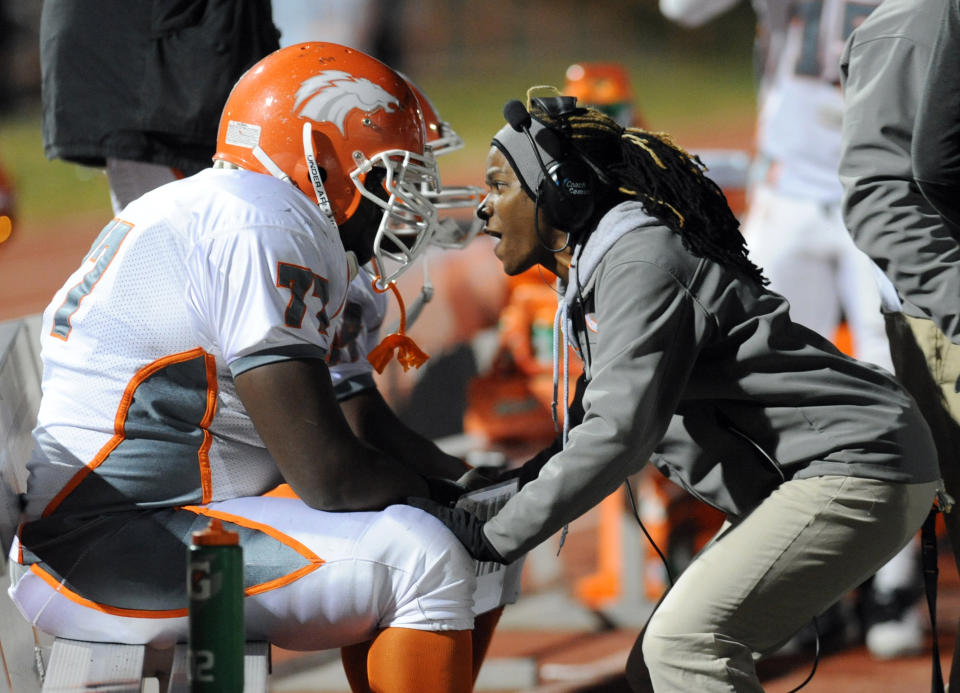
{"x":888,"y":217}
{"x":261,"y":297}
{"x":375,"y":423}
{"x":293,"y":408}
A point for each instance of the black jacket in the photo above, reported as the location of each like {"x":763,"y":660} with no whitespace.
{"x":144,"y":81}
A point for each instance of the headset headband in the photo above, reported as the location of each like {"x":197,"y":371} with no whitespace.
{"x":516,"y":148}
{"x":526,"y":142}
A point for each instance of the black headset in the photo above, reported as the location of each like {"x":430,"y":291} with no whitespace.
{"x":569,"y":187}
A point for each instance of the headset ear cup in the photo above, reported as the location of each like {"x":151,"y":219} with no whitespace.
{"x":553,"y":203}
{"x":568,"y":195}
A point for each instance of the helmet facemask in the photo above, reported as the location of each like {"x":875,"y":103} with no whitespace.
{"x":450,"y":233}
{"x":409,"y":221}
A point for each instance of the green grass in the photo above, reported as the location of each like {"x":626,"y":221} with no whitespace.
{"x":47,"y":190}
{"x":681,"y":96}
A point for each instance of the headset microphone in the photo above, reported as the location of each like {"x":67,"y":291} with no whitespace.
{"x":515,"y":113}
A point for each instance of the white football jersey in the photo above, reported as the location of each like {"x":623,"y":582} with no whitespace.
{"x":801,"y":108}
{"x":359,"y":332}
{"x":196,"y":282}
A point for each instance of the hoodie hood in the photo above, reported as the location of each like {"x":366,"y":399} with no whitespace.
{"x":621,"y":219}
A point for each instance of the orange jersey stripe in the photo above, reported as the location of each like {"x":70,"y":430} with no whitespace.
{"x":115,"y":611}
{"x":313,"y":560}
{"x":206,"y":482}
{"x":123,"y":410}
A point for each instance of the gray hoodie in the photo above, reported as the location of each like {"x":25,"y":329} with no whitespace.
{"x":701,"y":371}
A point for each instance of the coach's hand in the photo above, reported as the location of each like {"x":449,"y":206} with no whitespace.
{"x":481,"y":477}
{"x":444,"y":491}
{"x":466,"y":526}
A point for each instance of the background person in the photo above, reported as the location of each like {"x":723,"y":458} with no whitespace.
{"x":936,"y":133}
{"x":138,"y":88}
{"x":793,"y":224}
{"x":884,"y":68}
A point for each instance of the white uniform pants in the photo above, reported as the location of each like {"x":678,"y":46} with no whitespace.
{"x":397,"y":567}
{"x":807,"y":254}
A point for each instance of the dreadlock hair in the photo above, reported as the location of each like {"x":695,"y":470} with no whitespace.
{"x":667,"y":181}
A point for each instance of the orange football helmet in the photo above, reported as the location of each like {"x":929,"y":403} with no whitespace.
{"x":323,"y":116}
{"x":443,"y":139}
{"x":604,"y":86}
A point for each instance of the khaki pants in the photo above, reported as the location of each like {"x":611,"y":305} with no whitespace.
{"x":764,"y":578}
{"x":928,"y":364}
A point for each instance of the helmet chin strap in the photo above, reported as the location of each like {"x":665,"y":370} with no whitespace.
{"x":423,"y":298}
{"x":269,"y":164}
{"x":312,"y":168}
{"x":314,"y":171}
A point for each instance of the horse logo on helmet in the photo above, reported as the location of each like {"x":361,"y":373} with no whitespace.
{"x":333,"y":94}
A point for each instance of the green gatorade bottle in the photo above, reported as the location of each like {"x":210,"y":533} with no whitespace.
{"x":215,"y":586}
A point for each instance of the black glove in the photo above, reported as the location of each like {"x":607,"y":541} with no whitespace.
{"x":530,"y":469}
{"x":444,"y":491}
{"x":466,"y":526}
{"x":481,"y":477}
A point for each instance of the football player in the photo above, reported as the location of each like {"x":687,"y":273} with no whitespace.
{"x":185,"y":375}
{"x":606,"y":87}
{"x":365,"y":307}
{"x":366,"y":299}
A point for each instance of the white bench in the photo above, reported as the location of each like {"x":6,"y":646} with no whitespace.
{"x":77,"y":665}
{"x":24,"y":649}
{"x":32,"y":661}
